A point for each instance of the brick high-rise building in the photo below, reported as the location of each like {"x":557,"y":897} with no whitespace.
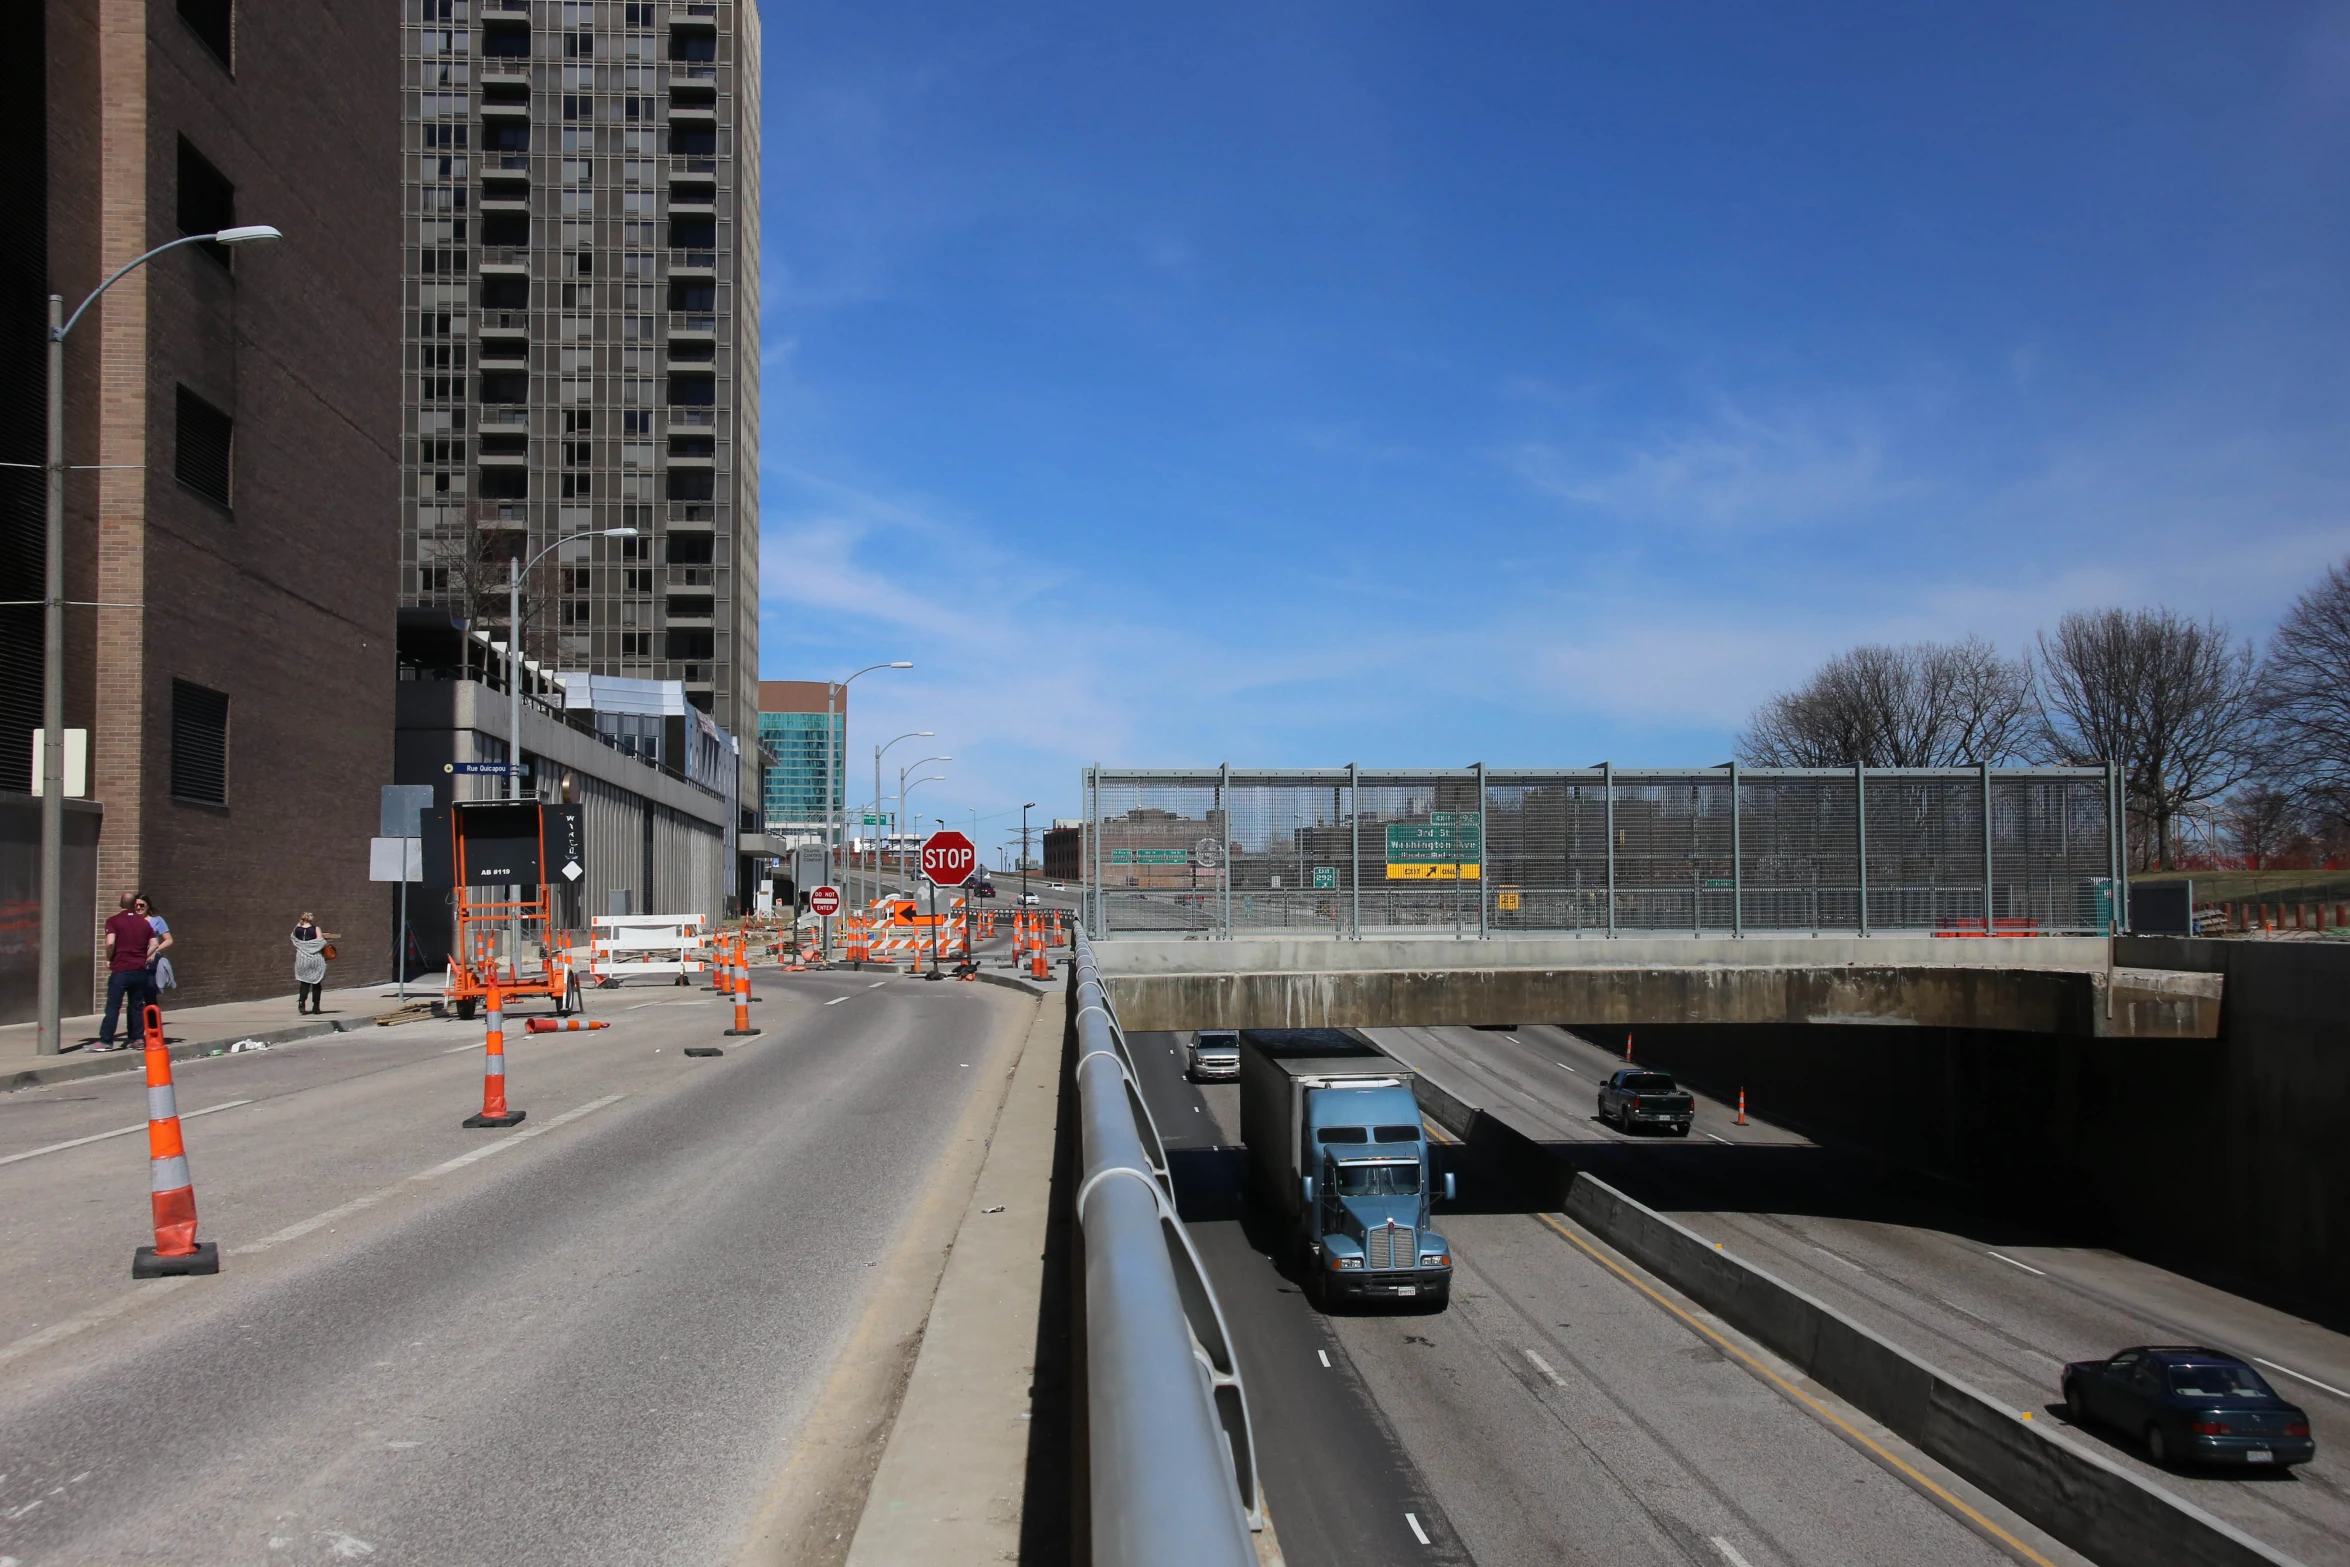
{"x":581,"y":313}
{"x":231,"y":526}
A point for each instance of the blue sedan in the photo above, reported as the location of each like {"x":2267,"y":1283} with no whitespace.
{"x":2189,"y":1404}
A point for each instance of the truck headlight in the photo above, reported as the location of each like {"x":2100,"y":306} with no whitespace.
{"x":1435,"y":1259}
{"x":1346,"y":1262}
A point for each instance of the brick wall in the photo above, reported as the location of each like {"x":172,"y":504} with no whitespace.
{"x":286,"y":600}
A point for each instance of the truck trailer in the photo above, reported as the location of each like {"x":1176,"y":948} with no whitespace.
{"x":1336,"y":1147}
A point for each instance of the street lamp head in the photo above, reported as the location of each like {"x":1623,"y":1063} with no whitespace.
{"x":246,"y":234}
{"x":901,"y":664}
{"x":1028,"y":805}
{"x":620,"y":533}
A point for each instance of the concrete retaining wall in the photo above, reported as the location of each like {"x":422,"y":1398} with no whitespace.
{"x":2101,"y":1510}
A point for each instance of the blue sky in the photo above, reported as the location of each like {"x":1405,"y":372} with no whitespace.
{"x":1297,"y":384}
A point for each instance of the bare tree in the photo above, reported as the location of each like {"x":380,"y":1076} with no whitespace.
{"x":1926,"y":705}
{"x":2168,"y":700}
{"x":2305,"y":694}
{"x":2264,"y":824}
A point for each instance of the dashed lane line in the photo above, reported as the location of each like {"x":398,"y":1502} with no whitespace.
{"x":1851,"y":1432}
{"x":1544,"y":1367}
{"x":1418,"y":1533}
{"x":2303,"y":1377}
{"x":1729,"y":1552}
{"x":120,"y":1131}
{"x":836,"y":1001}
{"x":293,"y":1232}
{"x":2011,"y":1262}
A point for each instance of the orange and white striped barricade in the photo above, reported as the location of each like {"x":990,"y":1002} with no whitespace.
{"x":493,"y":1071}
{"x":170,"y":1188}
{"x":646,"y":946}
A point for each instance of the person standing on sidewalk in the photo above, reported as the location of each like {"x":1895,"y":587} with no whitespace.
{"x":310,"y":963}
{"x":159,"y":975}
{"x":131,"y":944}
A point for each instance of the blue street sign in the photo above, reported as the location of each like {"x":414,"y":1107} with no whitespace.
{"x":499,"y":769}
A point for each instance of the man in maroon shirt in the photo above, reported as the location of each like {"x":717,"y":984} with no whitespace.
{"x":130,"y":947}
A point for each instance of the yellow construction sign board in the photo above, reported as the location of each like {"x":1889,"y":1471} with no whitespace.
{"x":1506,"y":902}
{"x":1468,"y":872}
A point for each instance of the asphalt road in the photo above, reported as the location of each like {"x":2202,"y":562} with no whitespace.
{"x":1559,"y":1411}
{"x":1983,"y":1296}
{"x":589,"y":1338}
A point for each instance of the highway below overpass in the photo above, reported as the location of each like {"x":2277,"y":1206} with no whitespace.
{"x":597,"y":1337}
{"x":1998,"y":1303}
{"x":1567,"y":1407}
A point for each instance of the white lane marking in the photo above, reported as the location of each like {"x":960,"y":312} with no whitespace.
{"x":877,"y":984}
{"x":540,"y":1130}
{"x":1729,"y":1553}
{"x":1832,"y":1257}
{"x":2011,"y":1262}
{"x":1418,"y":1533}
{"x":836,"y":1001}
{"x":2302,"y":1376}
{"x":1543,"y":1366}
{"x":1512,"y":1038}
{"x":1724,"y":1141}
{"x":296,"y":1231}
{"x":121,"y":1131}
{"x":1324,"y":1355}
{"x":1571,"y":1069}
{"x":90,"y":1319}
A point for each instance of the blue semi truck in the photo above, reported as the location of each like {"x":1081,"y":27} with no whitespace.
{"x":1335,"y":1145}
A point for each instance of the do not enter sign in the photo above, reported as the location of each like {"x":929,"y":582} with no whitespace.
{"x":824,"y":901}
{"x":948,"y":858}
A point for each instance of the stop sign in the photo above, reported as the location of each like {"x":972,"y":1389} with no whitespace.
{"x":824,"y":901}
{"x":948,"y":858}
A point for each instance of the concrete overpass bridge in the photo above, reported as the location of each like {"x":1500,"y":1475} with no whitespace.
{"x":1968,"y":898}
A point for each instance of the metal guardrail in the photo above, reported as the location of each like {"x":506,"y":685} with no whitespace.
{"x":1479,"y":851}
{"x":1172,"y":1463}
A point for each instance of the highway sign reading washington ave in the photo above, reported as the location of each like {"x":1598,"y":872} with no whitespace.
{"x":1447,"y":844}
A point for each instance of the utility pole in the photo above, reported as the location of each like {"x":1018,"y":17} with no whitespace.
{"x":1024,"y":810}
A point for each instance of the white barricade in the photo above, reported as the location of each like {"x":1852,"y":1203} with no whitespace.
{"x":648,"y":946}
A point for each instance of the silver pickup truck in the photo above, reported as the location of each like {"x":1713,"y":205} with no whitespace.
{"x":1214,"y":1056}
{"x":1638,"y":1097}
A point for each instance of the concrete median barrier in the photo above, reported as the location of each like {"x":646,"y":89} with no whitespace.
{"x":2082,"y":1498}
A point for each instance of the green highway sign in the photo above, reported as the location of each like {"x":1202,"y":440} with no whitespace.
{"x":1150,"y":856}
{"x":1723,"y":882}
{"x":1446,"y":838}
{"x":1325,"y":878}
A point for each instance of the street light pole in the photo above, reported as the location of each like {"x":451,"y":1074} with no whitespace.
{"x":925,"y":762}
{"x":1024,"y":810}
{"x":833,"y":689}
{"x":514,"y":576}
{"x":48,"y":1040}
{"x":878,"y":797}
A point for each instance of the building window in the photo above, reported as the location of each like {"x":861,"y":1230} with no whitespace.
{"x":505,"y":228}
{"x":690,"y":549}
{"x":207,"y":201}
{"x":692,"y":644}
{"x":505,"y":484}
{"x":202,"y":453}
{"x":691,"y":484}
{"x":214,"y":22}
{"x":505,"y":387}
{"x":692,"y":391}
{"x":199,"y":744}
{"x":693,"y":233}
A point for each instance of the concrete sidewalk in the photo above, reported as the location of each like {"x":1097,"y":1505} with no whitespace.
{"x":197,"y":1031}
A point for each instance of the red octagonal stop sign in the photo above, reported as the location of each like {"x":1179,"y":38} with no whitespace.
{"x":824,"y":901}
{"x":948,"y":858}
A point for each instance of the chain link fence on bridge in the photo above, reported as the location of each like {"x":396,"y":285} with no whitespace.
{"x":1603,"y":850}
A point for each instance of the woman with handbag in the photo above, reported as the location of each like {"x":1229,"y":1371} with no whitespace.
{"x":311,"y":952}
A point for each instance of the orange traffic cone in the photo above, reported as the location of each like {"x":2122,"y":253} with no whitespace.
{"x":1741,"y":1107}
{"x":493,"y":1071}
{"x":1038,"y":968}
{"x":742,"y":1010}
{"x":1627,"y":1046}
{"x":176,"y":1249}
{"x":561,"y":1025}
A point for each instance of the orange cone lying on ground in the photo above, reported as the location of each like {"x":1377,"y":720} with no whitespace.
{"x":561,"y":1025}
{"x":176,"y":1249}
{"x":493,"y":1070}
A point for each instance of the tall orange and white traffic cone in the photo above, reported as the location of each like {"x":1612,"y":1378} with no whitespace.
{"x":1627,"y":1045}
{"x":742,"y":976}
{"x":176,"y":1249}
{"x":1741,"y":1107}
{"x":742,"y":1010}
{"x":1038,"y":967}
{"x":493,"y":1070}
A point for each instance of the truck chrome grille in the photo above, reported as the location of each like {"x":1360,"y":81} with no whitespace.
{"x":1391,"y":1248}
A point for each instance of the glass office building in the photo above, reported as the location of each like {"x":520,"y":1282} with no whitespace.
{"x":791,"y":731}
